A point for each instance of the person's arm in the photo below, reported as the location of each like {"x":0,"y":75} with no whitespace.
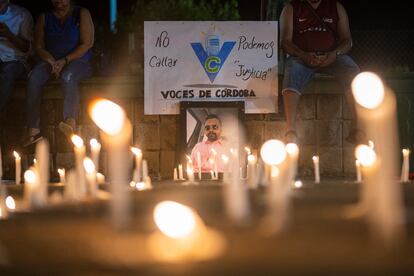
{"x":22,"y":40}
{"x":344,"y":36}
{"x":40,"y":41}
{"x":87,"y":34}
{"x":286,"y":36}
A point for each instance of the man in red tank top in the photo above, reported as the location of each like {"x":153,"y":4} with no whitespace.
{"x":315,"y":34}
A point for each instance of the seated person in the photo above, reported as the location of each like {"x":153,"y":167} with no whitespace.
{"x":316,"y":36}
{"x":16,"y":34}
{"x":63,"y":39}
{"x":211,"y":148}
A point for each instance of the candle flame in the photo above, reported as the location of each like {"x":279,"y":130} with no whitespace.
{"x":406,"y":152}
{"x":140,"y":186}
{"x":251,"y":158}
{"x":292,"y":149}
{"x":315,"y":158}
{"x":77,"y":141}
{"x":16,"y":155}
{"x":10,"y":203}
{"x":174,"y":219}
{"x":61,"y":172}
{"x":214,"y":152}
{"x":298,"y":184}
{"x":34,"y":161}
{"x":94,"y":143}
{"x":225,"y":158}
{"x":368,"y":90}
{"x":273,"y":152}
{"x":371,"y":144}
{"x":30,"y":176}
{"x":247,"y":149}
{"x":108,"y":116}
{"x":88,"y":165}
{"x":366,"y":155}
{"x":136,"y":151}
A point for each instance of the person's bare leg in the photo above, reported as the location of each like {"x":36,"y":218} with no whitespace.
{"x":290,"y":101}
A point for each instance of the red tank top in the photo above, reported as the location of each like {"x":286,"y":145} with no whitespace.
{"x":308,"y":31}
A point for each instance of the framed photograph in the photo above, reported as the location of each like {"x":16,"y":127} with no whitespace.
{"x":209,"y":131}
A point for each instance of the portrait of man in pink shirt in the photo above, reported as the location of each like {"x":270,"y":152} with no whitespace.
{"x":210,"y":149}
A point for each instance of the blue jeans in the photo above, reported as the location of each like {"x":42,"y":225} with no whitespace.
{"x":9,"y":72}
{"x":76,"y":71}
{"x":297,"y":74}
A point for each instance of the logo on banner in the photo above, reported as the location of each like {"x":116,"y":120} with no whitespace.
{"x":212,"y":58}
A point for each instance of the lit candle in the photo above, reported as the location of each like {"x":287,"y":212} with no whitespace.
{"x":316,"y":168}
{"x":183,"y":236}
{"x":18,"y":167}
{"x":42,"y":167}
{"x":358,"y":171}
{"x":214,"y":152}
{"x":190,"y":173}
{"x":180,"y":172}
{"x":273,"y":153}
{"x":61,"y":173}
{"x":30,"y":186}
{"x":145,"y":176}
{"x":95,"y":151}
{"x":292,"y":151}
{"x":116,"y":132}
{"x":235,"y":194}
{"x":79,"y":149}
{"x":199,"y":164}
{"x":226,"y":176}
{"x":376,"y":108}
{"x":10,"y":203}
{"x":100,"y":178}
{"x":251,"y":171}
{"x":175,"y":174}
{"x":90,"y":176}
{"x":138,"y":159}
{"x":405,"y":169}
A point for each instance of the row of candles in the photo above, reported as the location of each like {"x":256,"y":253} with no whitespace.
{"x":380,"y":199}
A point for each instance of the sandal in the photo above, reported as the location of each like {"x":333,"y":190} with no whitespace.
{"x":291,"y":137}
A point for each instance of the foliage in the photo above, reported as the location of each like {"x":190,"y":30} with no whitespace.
{"x":177,"y":10}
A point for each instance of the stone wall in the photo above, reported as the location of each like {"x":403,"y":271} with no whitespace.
{"x":324,"y":121}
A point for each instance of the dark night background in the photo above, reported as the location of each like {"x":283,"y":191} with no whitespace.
{"x":365,"y":14}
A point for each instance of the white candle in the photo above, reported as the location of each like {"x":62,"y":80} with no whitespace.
{"x":95,"y":151}
{"x":316,"y":168}
{"x":251,"y":171}
{"x":90,"y":176}
{"x":190,"y":173}
{"x":292,"y":151}
{"x":273,"y":153}
{"x":31,"y":181}
{"x":175,"y":174}
{"x":62,"y":177}
{"x":138,"y":160}
{"x":358,"y":171}
{"x":198,"y":155}
{"x":376,"y":109}
{"x":145,"y":176}
{"x":180,"y":172}
{"x":100,"y":178}
{"x":226,"y":173}
{"x":116,"y":132}
{"x":18,"y":167}
{"x":405,"y":169}
{"x":79,"y":149}
{"x":214,"y":152}
{"x":42,"y":167}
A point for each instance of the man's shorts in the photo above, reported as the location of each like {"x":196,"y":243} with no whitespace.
{"x":297,"y":74}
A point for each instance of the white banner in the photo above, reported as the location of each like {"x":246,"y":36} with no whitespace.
{"x":210,"y":61}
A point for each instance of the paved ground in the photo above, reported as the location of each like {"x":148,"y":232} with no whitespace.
{"x":78,"y":239}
